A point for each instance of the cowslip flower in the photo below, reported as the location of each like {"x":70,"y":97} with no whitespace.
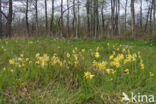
{"x":68,"y":55}
{"x":12,"y":61}
{"x":88,"y":75}
{"x":108,"y":71}
{"x":126,"y":71}
{"x":151,"y":74}
{"x":97,"y":55}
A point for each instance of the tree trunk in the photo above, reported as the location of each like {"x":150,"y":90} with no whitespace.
{"x":78,"y":20}
{"x":68,"y":18}
{"x":52,"y":17}
{"x":9,"y":20}
{"x":36,"y":14}
{"x":112,"y":15}
{"x":74,"y":20}
{"x":140,"y":13}
{"x":46,"y":16}
{"x":133,"y":17}
{"x":0,"y":21}
{"x":88,"y":19}
{"x":154,"y":4}
{"x":26,"y":17}
{"x":103,"y":19}
{"x":61,"y":18}
{"x":119,"y":17}
{"x":126,"y":15}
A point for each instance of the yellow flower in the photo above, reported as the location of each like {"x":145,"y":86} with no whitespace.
{"x":4,"y":69}
{"x":108,"y":71}
{"x":19,"y":59}
{"x":107,"y":44}
{"x":27,"y":59}
{"x":102,"y":65}
{"x":21,"y":55}
{"x":12,"y":61}
{"x":97,"y":55}
{"x":37,"y":55}
{"x":111,"y":57}
{"x":126,"y":71}
{"x":37,"y":62}
{"x":11,"y":70}
{"x":142,"y":65}
{"x":83,"y":50}
{"x":88,"y":75}
{"x":151,"y":74}
{"x":123,"y":50}
{"x":68,"y":55}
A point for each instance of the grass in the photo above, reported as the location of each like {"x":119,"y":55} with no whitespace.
{"x":56,"y":74}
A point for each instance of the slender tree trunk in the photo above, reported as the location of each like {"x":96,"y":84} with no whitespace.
{"x":78,"y":20}
{"x":52,"y":18}
{"x":154,"y":4}
{"x":26,"y":17}
{"x":133,"y":17}
{"x":140,"y":13}
{"x":68,"y":18}
{"x":103,"y":19}
{"x":0,"y":21}
{"x":126,"y":15}
{"x":74,"y":20}
{"x":148,"y":13}
{"x":97,"y":18}
{"x":119,"y":17}
{"x":112,"y":15}
{"x":9,"y":20}
{"x":36,"y":14}
{"x":88,"y":19}
{"x":151,"y":18}
{"x":46,"y":16}
{"x":61,"y":18}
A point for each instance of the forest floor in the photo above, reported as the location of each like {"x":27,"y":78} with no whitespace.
{"x":76,"y":71}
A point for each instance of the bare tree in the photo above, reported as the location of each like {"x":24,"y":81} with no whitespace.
{"x":68,"y":17}
{"x":46,"y":16}
{"x":126,"y":15}
{"x":26,"y":17}
{"x":52,"y":17}
{"x":141,"y":13}
{"x":88,"y":17}
{"x":61,"y":18}
{"x":133,"y":17}
{"x":0,"y":20}
{"x":9,"y":20}
{"x":36,"y":14}
{"x":154,"y":8}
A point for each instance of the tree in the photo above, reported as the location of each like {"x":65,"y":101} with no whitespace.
{"x":0,"y":20}
{"x":68,"y":17}
{"x":133,"y":17}
{"x":9,"y":20}
{"x":61,"y":18}
{"x":126,"y":14}
{"x":140,"y":13}
{"x":52,"y":17}
{"x":88,"y":17}
{"x":46,"y":16}
{"x":36,"y":14}
{"x":154,"y":8}
{"x":26,"y":17}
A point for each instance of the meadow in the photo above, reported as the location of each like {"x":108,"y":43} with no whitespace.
{"x":75,"y":71}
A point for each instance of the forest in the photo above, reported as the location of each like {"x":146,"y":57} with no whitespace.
{"x":78,"y":18}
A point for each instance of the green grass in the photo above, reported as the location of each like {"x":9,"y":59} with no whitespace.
{"x":54,"y":84}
